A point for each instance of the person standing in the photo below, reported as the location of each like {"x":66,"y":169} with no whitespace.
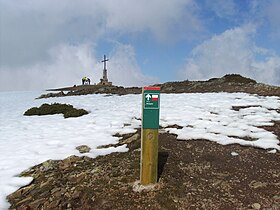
{"x":84,"y":79}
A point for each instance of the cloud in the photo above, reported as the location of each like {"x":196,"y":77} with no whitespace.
{"x":52,"y":43}
{"x":266,"y":14}
{"x":273,"y":15}
{"x":268,"y":71}
{"x":69,"y":63}
{"x":160,"y":18}
{"x":124,"y":69}
{"x":233,"y":51}
{"x":29,"y":28}
{"x":223,"y":9}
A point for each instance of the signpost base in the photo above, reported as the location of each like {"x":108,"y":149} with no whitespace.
{"x":149,"y":156}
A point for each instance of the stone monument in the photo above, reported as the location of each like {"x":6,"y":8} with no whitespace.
{"x":104,"y":79}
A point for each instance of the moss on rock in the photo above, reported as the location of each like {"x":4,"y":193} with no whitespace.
{"x":49,"y":109}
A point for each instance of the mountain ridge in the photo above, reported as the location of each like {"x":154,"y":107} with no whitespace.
{"x":229,"y":83}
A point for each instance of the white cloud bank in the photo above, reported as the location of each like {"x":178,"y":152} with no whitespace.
{"x":160,"y":18}
{"x":68,"y":64}
{"x":30,"y":27}
{"x":125,"y":70}
{"x":51,"y":43}
{"x":233,"y":51}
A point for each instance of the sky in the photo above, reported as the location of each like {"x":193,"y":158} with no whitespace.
{"x":47,"y":44}
{"x":26,"y":141}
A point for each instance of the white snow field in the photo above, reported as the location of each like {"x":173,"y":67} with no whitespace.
{"x":29,"y":140}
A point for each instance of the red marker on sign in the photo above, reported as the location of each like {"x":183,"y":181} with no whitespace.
{"x":154,"y":97}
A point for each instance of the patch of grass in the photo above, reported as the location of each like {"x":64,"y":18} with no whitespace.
{"x":49,"y":109}
{"x":75,"y":113}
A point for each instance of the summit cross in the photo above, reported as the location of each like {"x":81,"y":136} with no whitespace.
{"x":104,"y":61}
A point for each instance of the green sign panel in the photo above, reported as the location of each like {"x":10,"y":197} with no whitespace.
{"x":151,"y":100}
{"x":151,"y":104}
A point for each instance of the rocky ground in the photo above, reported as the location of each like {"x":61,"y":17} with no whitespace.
{"x":192,"y":174}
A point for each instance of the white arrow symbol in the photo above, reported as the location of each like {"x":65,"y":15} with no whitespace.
{"x":148,"y":97}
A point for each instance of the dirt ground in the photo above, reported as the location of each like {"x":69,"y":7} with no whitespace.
{"x":192,"y":175}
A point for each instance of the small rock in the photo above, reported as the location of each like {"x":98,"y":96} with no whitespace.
{"x":256,"y":184}
{"x":47,"y":165}
{"x":131,"y":139}
{"x":54,"y":204}
{"x":101,"y":89}
{"x":76,"y":194}
{"x":276,"y":197}
{"x":256,"y":206}
{"x":275,"y":206}
{"x":83,"y":149}
{"x":234,"y":154}
{"x":67,"y":194}
{"x":25,"y":208}
{"x":55,"y":190}
{"x":25,"y":200}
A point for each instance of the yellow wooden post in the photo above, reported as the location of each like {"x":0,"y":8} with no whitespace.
{"x":149,"y":154}
{"x":149,"y":136}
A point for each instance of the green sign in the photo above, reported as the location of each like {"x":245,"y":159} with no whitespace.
{"x":151,"y":100}
{"x":151,"y":104}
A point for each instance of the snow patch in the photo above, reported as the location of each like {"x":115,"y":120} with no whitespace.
{"x":234,"y":153}
{"x":272,"y":151}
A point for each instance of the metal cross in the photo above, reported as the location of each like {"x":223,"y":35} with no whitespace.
{"x":104,"y":61}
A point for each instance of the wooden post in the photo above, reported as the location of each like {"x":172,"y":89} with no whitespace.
{"x":149,"y":135}
{"x":149,"y":154}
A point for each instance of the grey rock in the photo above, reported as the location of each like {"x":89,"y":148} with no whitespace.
{"x":83,"y":149}
{"x":256,"y":206}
